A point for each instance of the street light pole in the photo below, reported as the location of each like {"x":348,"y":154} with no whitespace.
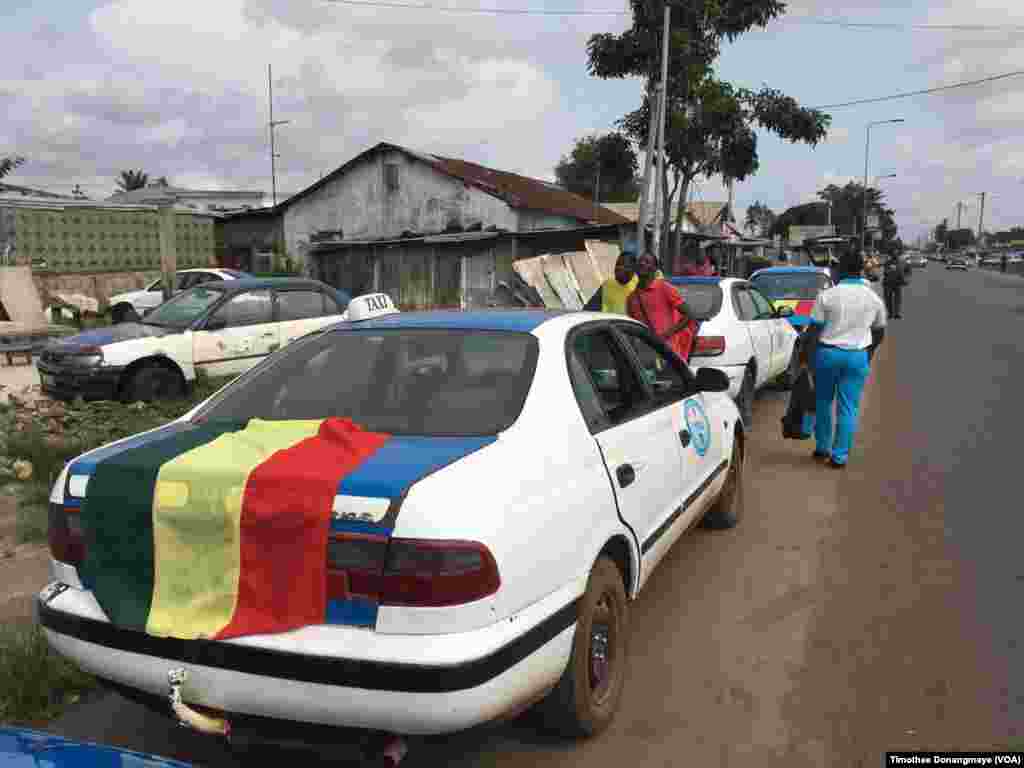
{"x":273,"y":124}
{"x":867,"y":146}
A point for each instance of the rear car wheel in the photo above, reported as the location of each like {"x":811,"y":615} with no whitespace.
{"x":124,"y":313}
{"x":745,"y":398}
{"x":728,"y":507}
{"x":153,"y":381}
{"x":587,"y":695}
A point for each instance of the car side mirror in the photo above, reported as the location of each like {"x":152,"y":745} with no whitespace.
{"x":216,"y":324}
{"x":784,"y":312}
{"x":712,"y":380}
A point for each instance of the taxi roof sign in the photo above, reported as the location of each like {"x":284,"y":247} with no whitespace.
{"x":369,"y":306}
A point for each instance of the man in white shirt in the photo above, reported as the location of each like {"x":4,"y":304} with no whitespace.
{"x":851,"y":318}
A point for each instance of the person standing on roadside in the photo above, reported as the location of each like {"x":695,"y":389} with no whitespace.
{"x":613,"y":293}
{"x":659,"y":306}
{"x":893,"y":281}
{"x":850,"y":319}
{"x":1002,"y":263}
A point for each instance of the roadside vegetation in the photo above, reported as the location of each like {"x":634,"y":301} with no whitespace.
{"x":38,"y":438}
{"x":35,"y":683}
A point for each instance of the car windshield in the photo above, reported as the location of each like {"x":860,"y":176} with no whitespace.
{"x":793,"y":285}
{"x":703,"y":300}
{"x":399,"y":381}
{"x":185,"y":308}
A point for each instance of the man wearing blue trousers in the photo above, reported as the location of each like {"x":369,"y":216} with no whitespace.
{"x":851,"y":318}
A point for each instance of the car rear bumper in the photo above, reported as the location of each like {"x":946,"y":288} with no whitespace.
{"x":326,"y":675}
{"x":90,"y":383}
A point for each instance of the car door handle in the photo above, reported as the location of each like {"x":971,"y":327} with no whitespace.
{"x":269,"y":335}
{"x":626,"y":475}
{"x":684,"y":437}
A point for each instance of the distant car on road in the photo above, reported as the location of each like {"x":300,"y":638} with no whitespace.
{"x":741,"y":334}
{"x":22,"y":748}
{"x":222,"y":328}
{"x":957,"y":262}
{"x":917,"y":260}
{"x":129,"y":307}
{"x":338,"y":537}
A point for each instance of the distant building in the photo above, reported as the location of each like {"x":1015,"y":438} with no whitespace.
{"x":197,"y":200}
{"x":13,"y":192}
{"x":429,"y":230}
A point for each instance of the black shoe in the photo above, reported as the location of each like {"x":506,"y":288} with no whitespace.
{"x":835,"y":464}
{"x":821,"y":456}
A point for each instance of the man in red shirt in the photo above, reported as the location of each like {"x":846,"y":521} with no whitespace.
{"x":658,"y":305}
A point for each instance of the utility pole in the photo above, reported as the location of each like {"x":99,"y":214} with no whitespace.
{"x":597,"y":180}
{"x":659,"y":92}
{"x":273,"y":124}
{"x":959,"y":210}
{"x":659,"y":196}
{"x":981,"y":218}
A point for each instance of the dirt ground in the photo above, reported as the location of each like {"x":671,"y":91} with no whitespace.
{"x":24,"y":568}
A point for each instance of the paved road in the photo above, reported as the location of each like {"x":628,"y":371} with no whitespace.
{"x":851,"y":611}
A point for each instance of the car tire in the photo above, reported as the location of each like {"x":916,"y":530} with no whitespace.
{"x":124,"y":313}
{"x":727,"y":510}
{"x":153,"y":381}
{"x":586,"y":697}
{"x":745,"y":398}
{"x":788,"y":378}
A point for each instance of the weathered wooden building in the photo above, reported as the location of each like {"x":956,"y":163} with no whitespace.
{"x":432,"y":231}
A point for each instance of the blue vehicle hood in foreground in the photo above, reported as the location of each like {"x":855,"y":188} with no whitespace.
{"x":21,"y":748}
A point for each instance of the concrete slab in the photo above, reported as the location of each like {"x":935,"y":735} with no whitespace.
{"x":19,"y":296}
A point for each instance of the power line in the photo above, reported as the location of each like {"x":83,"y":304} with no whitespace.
{"x":526,"y":11}
{"x":924,"y":91}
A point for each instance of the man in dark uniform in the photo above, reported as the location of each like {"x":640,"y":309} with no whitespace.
{"x":893,"y":281}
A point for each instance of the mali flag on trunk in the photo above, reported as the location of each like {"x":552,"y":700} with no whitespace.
{"x":219,"y":530}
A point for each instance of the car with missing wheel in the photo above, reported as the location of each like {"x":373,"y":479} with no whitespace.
{"x":133,"y":305}
{"x":741,"y":334}
{"x":218,"y":328}
{"x":407,"y":522}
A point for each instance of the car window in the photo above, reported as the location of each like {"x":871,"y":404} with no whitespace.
{"x":208,"y":277}
{"x":611,"y":374}
{"x":184,"y":280}
{"x":332,"y":307}
{"x":746,"y":310}
{"x":703,"y":300}
{"x":793,"y":285}
{"x":765,"y":310}
{"x":396,"y":381}
{"x":299,"y":305}
{"x":663,"y":376}
{"x":156,"y":285}
{"x":184,"y":308}
{"x":249,"y":308}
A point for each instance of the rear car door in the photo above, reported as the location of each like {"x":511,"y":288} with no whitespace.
{"x":638,"y":439}
{"x":758,"y":332}
{"x":779,"y":330}
{"x":304,"y":310}
{"x":237,"y":334}
{"x":700,"y":452}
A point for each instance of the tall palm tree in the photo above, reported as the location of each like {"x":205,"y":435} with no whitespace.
{"x":129,"y":180}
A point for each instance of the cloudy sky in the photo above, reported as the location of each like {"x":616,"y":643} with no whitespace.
{"x":90,"y":87}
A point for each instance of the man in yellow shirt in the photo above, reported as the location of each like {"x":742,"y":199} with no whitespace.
{"x":613,"y":293}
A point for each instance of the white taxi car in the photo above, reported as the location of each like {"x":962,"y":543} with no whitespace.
{"x":220,"y":328}
{"x":413,"y":523}
{"x":129,"y":307}
{"x":741,"y":334}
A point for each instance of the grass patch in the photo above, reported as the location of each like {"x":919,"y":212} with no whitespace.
{"x":36,"y":684}
{"x":85,"y":426}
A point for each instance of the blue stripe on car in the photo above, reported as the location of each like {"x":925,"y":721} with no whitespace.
{"x":86,"y":465}
{"x":352,"y":612}
{"x":401,"y":461}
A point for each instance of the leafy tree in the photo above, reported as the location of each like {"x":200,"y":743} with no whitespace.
{"x":8,"y":164}
{"x":129,"y":180}
{"x":602,"y":165}
{"x":847,"y":211}
{"x":717,"y":136}
{"x":760,"y":219}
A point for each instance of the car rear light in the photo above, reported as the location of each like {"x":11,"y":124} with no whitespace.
{"x":67,"y":542}
{"x":409,"y":572}
{"x":708,"y":346}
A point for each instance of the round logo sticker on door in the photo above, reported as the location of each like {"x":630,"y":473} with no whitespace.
{"x":697,"y":424}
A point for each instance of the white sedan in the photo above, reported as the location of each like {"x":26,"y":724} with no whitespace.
{"x":130,"y":306}
{"x":741,"y":334}
{"x":413,"y":523}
